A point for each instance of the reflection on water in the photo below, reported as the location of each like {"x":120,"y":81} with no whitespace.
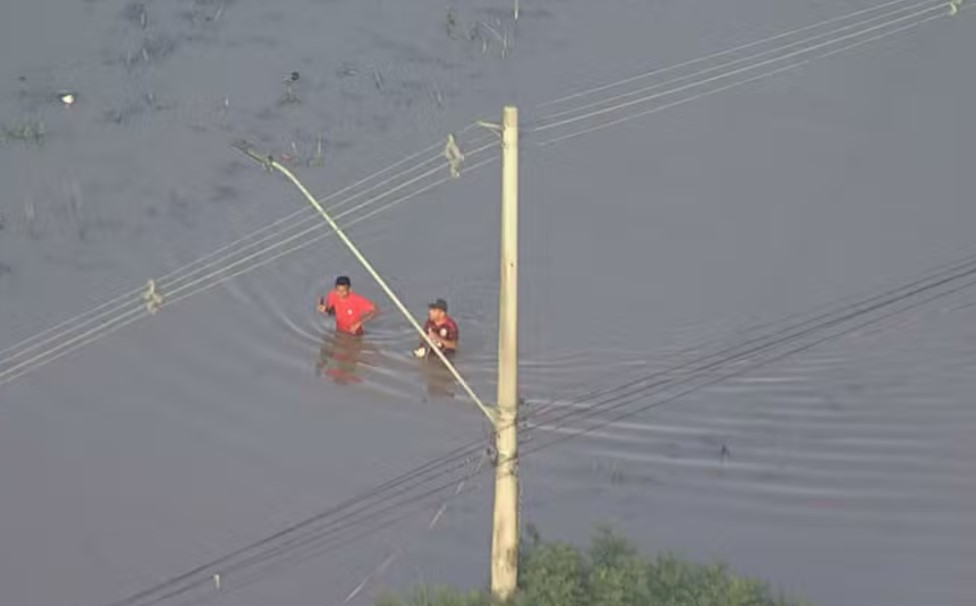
{"x":341,"y":355}
{"x":440,"y":382}
{"x":348,"y":360}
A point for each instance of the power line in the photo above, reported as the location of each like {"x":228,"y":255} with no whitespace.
{"x":615,"y":405}
{"x":718,"y":54}
{"x":619,"y":402}
{"x":358,"y":510}
{"x":312,"y":540}
{"x":697,"y":96}
{"x":245,"y":148}
{"x":640,"y":393}
{"x":18,"y":370}
{"x":176,"y":272}
{"x":938,"y":277}
{"x":634,"y":389}
{"x":739,"y":61}
{"x":14,"y":371}
{"x":350,"y":509}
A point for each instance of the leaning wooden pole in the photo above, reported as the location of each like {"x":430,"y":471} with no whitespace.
{"x":505,"y":539}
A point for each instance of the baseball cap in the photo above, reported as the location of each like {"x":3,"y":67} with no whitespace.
{"x":439,"y":304}
{"x":343,"y":281}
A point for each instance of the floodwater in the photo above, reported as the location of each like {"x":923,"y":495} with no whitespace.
{"x":686,"y":293}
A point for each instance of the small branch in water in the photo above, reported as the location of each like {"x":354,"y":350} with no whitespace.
{"x":438,"y":96}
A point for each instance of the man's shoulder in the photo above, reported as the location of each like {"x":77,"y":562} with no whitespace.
{"x":360,"y":300}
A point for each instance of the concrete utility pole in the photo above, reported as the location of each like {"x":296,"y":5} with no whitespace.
{"x":505,"y":539}
{"x":505,"y":523}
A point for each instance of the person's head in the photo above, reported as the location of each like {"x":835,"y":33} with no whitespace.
{"x":342,"y":285}
{"x":437,"y":310}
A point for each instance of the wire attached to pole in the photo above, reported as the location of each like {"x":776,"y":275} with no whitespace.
{"x":271,"y":164}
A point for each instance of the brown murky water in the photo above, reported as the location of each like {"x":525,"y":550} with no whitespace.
{"x":166,"y":441}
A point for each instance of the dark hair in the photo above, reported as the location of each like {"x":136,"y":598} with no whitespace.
{"x":343,"y":281}
{"x":439,"y":304}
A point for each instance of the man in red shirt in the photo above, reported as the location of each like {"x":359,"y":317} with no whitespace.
{"x":350,"y":309}
{"x":441,"y":329}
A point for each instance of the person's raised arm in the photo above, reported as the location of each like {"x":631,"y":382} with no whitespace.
{"x":327,"y":305}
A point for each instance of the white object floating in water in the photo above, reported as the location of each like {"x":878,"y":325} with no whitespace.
{"x":68,"y":99}
{"x":217,"y":581}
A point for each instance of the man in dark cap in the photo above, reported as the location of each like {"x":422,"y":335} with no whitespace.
{"x":440,"y":328}
{"x":350,"y":309}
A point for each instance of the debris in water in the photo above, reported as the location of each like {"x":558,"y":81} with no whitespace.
{"x":30,"y":214}
{"x":319,"y":158}
{"x":438,"y":96}
{"x":68,"y":99}
{"x":452,"y":22}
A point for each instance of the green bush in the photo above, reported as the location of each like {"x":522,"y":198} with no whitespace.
{"x":610,"y":573}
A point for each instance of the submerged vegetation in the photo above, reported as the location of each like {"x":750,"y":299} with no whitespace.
{"x":27,"y":131}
